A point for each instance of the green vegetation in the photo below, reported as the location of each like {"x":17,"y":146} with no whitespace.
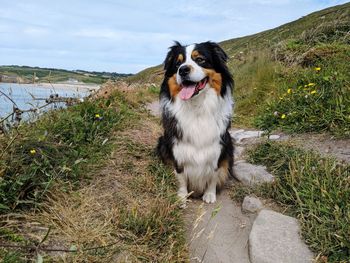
{"x":35,"y":74}
{"x":270,"y":64}
{"x":152,"y":74}
{"x":315,"y":98}
{"x":316,"y":190}
{"x":54,"y":148}
{"x":79,"y":171}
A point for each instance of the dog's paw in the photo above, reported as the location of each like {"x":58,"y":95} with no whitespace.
{"x":209,"y":197}
{"x":182,"y":195}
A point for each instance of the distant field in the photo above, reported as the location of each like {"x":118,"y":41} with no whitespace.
{"x":25,"y":74}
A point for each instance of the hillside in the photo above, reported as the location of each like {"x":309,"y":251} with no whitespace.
{"x":265,"y":65}
{"x":25,"y":74}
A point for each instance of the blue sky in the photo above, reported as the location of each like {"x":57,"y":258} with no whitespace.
{"x":128,"y":36}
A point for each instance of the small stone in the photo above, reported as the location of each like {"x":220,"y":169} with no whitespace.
{"x":250,"y":174}
{"x":274,"y":137}
{"x":251,"y":204}
{"x":154,"y":108}
{"x":275,"y":238}
{"x":239,"y":135}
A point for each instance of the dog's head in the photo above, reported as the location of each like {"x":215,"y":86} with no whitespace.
{"x":188,"y":70}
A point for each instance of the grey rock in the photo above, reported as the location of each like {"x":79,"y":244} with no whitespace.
{"x":217,"y":232}
{"x":240,"y":135}
{"x":154,"y":108}
{"x":250,"y":174}
{"x":238,"y":152}
{"x":274,"y":137}
{"x":251,"y":204}
{"x":275,"y":238}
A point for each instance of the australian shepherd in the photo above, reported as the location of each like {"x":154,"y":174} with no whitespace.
{"x":196,"y":105}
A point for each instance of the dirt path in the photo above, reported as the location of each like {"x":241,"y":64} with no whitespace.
{"x":218,"y":232}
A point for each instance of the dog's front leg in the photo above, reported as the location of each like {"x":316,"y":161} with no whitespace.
{"x":209,"y":195}
{"x":182,"y":192}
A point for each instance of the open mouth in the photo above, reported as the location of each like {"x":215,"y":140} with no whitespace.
{"x":190,"y":88}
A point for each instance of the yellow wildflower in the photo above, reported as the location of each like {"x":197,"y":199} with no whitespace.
{"x":289,"y":91}
{"x":317,"y":68}
{"x":311,"y":84}
{"x":283,"y":116}
{"x":97,"y":115}
{"x":313,"y":92}
{"x":32,"y":151}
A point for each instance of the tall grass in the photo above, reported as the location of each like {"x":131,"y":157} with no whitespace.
{"x":315,"y":98}
{"x":255,"y":82}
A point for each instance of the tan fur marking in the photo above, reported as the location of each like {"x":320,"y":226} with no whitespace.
{"x":215,"y":79}
{"x":174,"y":88}
{"x":180,"y":58}
{"x":223,"y":173}
{"x":195,"y":54}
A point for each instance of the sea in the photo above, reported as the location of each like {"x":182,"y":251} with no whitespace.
{"x":29,"y":96}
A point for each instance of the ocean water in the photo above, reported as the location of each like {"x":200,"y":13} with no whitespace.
{"x":26,"y":95}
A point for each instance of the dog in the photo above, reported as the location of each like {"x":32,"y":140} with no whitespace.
{"x":196,"y":105}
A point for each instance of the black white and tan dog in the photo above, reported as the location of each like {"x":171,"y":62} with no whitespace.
{"x":196,"y":105}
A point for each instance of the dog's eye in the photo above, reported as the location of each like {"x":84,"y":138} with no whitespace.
{"x":200,"y":60}
{"x":178,"y":63}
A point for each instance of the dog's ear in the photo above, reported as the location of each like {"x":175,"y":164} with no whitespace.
{"x":170,"y":58}
{"x":219,"y":52}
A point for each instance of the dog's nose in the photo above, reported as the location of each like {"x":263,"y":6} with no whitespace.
{"x":184,"y":71}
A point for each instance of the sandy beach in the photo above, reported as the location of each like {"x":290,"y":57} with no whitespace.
{"x":70,"y":86}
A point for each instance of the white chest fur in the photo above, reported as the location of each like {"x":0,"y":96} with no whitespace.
{"x":202,"y":120}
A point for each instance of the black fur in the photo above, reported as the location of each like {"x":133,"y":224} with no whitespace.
{"x":216,"y":59}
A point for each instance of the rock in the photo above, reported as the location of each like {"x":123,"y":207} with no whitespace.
{"x":239,"y":135}
{"x":251,"y":204}
{"x":154,"y":108}
{"x":238,"y":152}
{"x":274,"y":137}
{"x":217,"y":232}
{"x":275,"y":238}
{"x":250,"y":174}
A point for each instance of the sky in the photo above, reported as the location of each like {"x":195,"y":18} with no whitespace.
{"x":130,"y":35}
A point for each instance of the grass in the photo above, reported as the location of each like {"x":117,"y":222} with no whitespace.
{"x":314,"y":98}
{"x":255,"y":81}
{"x":108,"y":201}
{"x":54,"y":148}
{"x":316,"y":190}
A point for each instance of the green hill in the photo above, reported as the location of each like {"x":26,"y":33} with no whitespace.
{"x":25,"y":74}
{"x":271,"y":70}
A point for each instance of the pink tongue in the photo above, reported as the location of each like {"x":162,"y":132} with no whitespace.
{"x":187,"y":92}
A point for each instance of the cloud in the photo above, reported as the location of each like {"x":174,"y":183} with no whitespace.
{"x":35,"y":31}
